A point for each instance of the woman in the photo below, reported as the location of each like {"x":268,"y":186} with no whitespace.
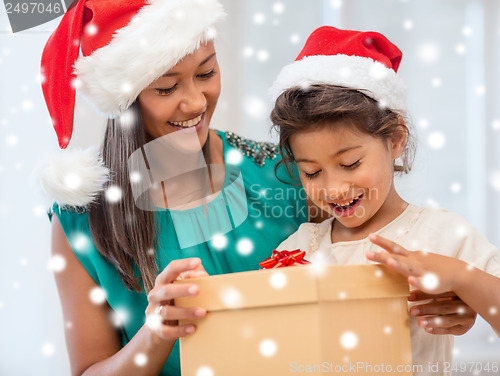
{"x":155,"y":93}
{"x":151,"y":204}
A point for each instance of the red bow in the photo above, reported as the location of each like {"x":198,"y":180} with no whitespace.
{"x":284,"y":258}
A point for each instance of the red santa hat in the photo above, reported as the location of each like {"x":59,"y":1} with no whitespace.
{"x":366,"y":61}
{"x":125,"y":45}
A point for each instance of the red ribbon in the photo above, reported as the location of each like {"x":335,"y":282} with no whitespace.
{"x":283,"y":259}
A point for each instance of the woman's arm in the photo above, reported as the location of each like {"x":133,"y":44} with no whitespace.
{"x":437,"y":274}
{"x":93,"y":342}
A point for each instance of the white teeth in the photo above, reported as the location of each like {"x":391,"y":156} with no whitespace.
{"x":188,"y":123}
{"x":349,"y":203}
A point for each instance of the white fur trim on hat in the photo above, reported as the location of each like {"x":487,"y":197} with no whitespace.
{"x":364,"y":74}
{"x":157,"y":38}
{"x":73,"y":177}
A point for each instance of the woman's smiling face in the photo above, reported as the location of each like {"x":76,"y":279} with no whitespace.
{"x":184,"y":98}
{"x":347,"y":173}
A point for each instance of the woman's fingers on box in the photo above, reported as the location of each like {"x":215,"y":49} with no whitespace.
{"x":175,"y":268}
{"x":164,"y":294}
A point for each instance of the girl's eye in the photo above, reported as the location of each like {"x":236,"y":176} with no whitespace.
{"x":204,"y":76}
{"x":166,"y":91}
{"x":310,"y":176}
{"x":352,"y":166}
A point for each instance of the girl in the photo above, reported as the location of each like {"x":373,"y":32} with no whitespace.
{"x":340,"y":113}
{"x":152,"y":68}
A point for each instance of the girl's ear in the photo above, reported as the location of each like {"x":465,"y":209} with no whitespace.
{"x":398,"y":140}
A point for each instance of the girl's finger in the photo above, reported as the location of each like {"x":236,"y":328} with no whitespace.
{"x":416,"y":295}
{"x":388,"y":245}
{"x":175,"y":268}
{"x":395,"y":262}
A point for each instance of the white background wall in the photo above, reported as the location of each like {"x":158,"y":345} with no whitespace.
{"x":451,"y":54}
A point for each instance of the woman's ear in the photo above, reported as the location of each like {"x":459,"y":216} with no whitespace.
{"x":398,"y":140}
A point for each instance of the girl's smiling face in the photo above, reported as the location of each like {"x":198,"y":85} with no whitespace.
{"x":184,"y":98}
{"x":349,"y":174}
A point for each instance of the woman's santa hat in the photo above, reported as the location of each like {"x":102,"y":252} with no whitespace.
{"x":366,"y":61}
{"x":125,"y":45}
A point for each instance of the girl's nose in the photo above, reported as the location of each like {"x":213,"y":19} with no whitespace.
{"x":337,"y":190}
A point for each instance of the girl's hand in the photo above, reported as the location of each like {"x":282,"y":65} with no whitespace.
{"x":435,"y":277}
{"x":161,"y":315}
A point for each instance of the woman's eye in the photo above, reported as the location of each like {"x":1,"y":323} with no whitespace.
{"x":207,"y":75}
{"x":166,"y":91}
{"x":310,"y":176}
{"x":353,"y":165}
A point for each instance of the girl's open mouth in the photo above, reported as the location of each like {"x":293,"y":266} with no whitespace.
{"x":348,"y":209}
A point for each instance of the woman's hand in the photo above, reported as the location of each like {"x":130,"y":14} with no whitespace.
{"x":161,"y":315}
{"x":434,"y":276}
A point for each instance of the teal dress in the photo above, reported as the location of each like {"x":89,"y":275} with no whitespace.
{"x":251,"y":216}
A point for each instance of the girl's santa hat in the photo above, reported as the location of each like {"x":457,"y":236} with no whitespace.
{"x":125,"y":45}
{"x":366,"y":61}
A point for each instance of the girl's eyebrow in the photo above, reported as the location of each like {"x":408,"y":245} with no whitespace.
{"x":203,"y":62}
{"x":341,"y":151}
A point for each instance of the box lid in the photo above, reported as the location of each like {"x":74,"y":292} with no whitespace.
{"x":294,"y":285}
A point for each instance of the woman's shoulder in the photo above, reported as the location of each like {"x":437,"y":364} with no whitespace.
{"x":259,"y":152}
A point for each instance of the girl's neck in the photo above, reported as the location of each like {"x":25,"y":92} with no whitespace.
{"x":392,"y":208}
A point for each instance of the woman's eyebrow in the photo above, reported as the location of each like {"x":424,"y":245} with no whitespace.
{"x":203,"y":62}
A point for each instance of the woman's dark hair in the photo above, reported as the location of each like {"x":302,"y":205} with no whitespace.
{"x":124,"y":234}
{"x":299,"y":109}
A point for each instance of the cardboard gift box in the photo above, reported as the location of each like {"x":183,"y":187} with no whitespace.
{"x":344,"y":320}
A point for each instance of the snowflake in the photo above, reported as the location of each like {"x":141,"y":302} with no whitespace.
{"x":268,"y":348}
{"x":205,"y":371}
{"x":408,"y":24}
{"x":120,"y":317}
{"x":428,"y":52}
{"x":460,"y":49}
{"x":336,"y":4}
{"x":436,"y":82}
{"x":263,"y":55}
{"x":113,"y":194}
{"x":39,"y":210}
{"x":456,"y":187}
{"x":378,"y":71}
{"x":135,"y":177}
{"x":494,"y":179}
{"x":231,"y":297}
{"x":387,"y":329}
{"x":493,"y":311}
{"x":154,"y":321}
{"x":91,"y":29}
{"x":495,"y":124}
{"x":80,"y":241}
{"x":76,"y":83}
{"x":127,"y":119}
{"x":140,"y":359}
{"x":295,"y":38}
{"x":244,"y":246}
{"x":48,"y":349}
{"x":23,"y":261}
{"x":349,"y":340}
{"x":430,"y":281}
{"x":234,"y":157}
{"x":259,"y":18}
{"x":97,"y":295}
{"x":342,"y":295}
{"x":248,"y":51}
{"x":423,"y":123}
{"x":126,"y":87}
{"x":278,"y":8}
{"x":57,"y":263}
{"x":12,"y":140}
{"x":278,"y":280}
{"x":436,"y":140}
{"x":480,"y":90}
{"x":72,"y":181}
{"x":255,"y":108}
{"x":27,"y":105}
{"x":219,"y":241}
{"x":467,"y":31}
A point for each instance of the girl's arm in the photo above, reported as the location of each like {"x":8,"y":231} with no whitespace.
{"x":437,"y":274}
{"x":93,"y":341}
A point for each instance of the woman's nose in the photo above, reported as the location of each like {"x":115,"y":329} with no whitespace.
{"x":194,"y":100}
